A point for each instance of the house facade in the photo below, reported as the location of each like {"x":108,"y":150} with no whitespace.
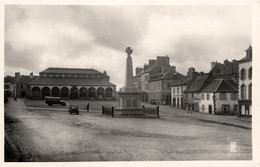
{"x":245,"y":84}
{"x":73,"y":83}
{"x":219,"y":97}
{"x":177,"y":93}
{"x":21,"y":85}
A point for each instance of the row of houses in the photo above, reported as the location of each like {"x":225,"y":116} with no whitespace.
{"x":226,"y":89}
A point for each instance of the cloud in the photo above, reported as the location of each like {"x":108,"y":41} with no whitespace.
{"x":41,"y":36}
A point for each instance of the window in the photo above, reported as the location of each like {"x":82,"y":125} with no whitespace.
{"x":50,"y":75}
{"x":243,"y":74}
{"x":250,"y":91}
{"x":192,"y":95}
{"x":208,"y":96}
{"x":178,"y":90}
{"x":223,"y":96}
{"x":173,"y":90}
{"x":63,"y":75}
{"x":243,"y":92}
{"x":250,"y":73}
{"x":203,"y":107}
{"x":203,"y":97}
{"x":57,"y":75}
{"x":169,"y":86}
{"x":233,"y":96}
{"x":44,"y":75}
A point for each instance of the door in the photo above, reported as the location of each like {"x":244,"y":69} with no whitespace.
{"x":210,"y":109}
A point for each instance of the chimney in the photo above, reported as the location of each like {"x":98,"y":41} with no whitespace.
{"x":163,"y":60}
{"x":191,"y":72}
{"x":152,"y":62}
{"x":249,"y":52}
{"x":213,"y":64}
{"x":146,"y":66}
{"x":226,"y":62}
{"x":31,"y":75}
{"x":105,"y":72}
{"x":17,"y":74}
{"x":138,"y":70}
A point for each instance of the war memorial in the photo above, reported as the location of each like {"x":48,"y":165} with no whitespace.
{"x":129,"y":97}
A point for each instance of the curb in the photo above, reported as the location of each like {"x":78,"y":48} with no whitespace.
{"x":14,"y":150}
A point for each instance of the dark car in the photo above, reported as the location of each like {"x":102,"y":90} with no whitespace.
{"x":74,"y":109}
{"x":54,"y":100}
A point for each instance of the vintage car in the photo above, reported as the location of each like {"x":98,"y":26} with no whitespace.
{"x":74,"y":109}
{"x":54,"y":100}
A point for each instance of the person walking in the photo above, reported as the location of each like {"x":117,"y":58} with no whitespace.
{"x":87,"y":107}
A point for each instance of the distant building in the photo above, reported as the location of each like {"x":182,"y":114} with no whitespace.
{"x":177,"y":92}
{"x":219,"y":97}
{"x":192,"y":93}
{"x":155,"y":79}
{"x":21,"y":86}
{"x":73,"y":83}
{"x":245,"y":84}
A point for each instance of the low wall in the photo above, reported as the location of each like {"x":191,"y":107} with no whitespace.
{"x":139,"y":112}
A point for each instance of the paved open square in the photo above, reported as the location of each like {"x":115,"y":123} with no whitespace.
{"x":43,"y":133}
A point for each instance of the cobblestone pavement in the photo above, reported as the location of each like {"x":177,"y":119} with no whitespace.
{"x":46,"y":134}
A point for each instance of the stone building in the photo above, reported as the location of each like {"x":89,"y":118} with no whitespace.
{"x":245,"y":84}
{"x":21,"y":84}
{"x":73,"y":83}
{"x":155,"y":79}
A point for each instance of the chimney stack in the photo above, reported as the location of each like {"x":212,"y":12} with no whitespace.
{"x":31,"y":75}
{"x":17,"y":74}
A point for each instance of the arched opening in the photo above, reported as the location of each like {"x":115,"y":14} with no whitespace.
{"x":45,"y":91}
{"x":109,"y":92}
{"x":64,"y":92}
{"x":55,"y":92}
{"x":36,"y":93}
{"x":83,"y":92}
{"x":74,"y":93}
{"x":92,"y":92}
{"x":100,"y":93}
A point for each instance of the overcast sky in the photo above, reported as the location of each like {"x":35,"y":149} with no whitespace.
{"x":38,"y":37}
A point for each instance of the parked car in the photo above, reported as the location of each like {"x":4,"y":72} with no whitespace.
{"x":74,"y":109}
{"x":54,"y":100}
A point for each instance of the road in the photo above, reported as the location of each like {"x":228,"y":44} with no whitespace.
{"x":47,"y":135}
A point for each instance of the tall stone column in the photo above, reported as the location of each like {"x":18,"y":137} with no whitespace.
{"x":129,"y":68}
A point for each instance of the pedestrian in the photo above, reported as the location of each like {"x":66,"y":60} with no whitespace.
{"x":87,"y":107}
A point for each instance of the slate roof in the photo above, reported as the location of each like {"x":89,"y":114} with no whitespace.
{"x":197,"y":83}
{"x":180,"y":82}
{"x":25,"y":79}
{"x":71,"y":81}
{"x":220,"y":86}
{"x":71,"y":71}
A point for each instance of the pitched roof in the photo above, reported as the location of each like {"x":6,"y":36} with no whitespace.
{"x":71,"y":70}
{"x":25,"y":79}
{"x":220,"y":86}
{"x":180,"y":82}
{"x":197,"y":83}
{"x":71,"y":81}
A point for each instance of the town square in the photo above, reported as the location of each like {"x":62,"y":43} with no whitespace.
{"x":112,"y":83}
